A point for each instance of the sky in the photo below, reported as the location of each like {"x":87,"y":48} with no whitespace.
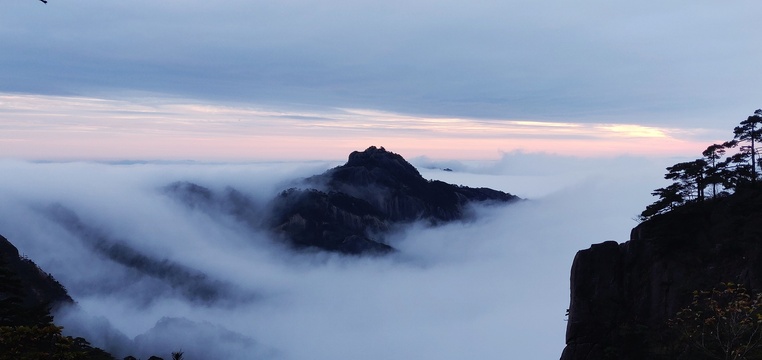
{"x":254,"y":80}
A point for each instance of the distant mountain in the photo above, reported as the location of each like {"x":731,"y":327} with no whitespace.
{"x":180,"y":333}
{"x":349,"y":208}
{"x":189,"y":283}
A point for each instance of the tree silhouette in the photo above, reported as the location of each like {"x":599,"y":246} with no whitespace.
{"x":691,"y":178}
{"x":669,"y":198}
{"x":748,"y":131}
{"x":714,"y":171}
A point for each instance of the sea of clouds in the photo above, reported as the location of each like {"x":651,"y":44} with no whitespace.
{"x":492,"y":287}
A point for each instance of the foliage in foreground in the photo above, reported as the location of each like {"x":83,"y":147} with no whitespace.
{"x":45,"y":342}
{"x":724,"y":323}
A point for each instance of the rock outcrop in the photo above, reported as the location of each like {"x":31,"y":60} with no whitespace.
{"x":622,"y":295}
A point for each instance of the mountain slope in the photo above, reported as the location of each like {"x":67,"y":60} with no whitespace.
{"x":22,"y":280}
{"x":27,"y":331}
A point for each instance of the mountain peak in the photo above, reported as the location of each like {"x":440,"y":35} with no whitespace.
{"x":372,"y":153}
{"x":378,"y":157}
{"x":376,"y":165}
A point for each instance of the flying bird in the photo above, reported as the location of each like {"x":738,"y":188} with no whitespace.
{"x":44,"y":1}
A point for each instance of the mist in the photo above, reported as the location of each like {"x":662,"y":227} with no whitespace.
{"x":152,"y":274}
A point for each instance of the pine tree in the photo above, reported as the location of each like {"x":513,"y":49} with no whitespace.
{"x":748,"y":131}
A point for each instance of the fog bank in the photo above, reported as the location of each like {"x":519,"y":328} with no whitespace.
{"x":493,"y":287}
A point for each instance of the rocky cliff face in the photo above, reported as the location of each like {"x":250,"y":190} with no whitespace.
{"x":623,"y":294}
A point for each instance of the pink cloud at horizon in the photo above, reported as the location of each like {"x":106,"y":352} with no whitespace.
{"x":77,"y":128}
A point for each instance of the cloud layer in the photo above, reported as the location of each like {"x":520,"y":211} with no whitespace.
{"x":495,"y":287}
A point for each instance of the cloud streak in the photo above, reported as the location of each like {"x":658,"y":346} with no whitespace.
{"x":54,"y":127}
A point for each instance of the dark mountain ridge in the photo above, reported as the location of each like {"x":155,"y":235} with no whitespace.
{"x":349,"y":208}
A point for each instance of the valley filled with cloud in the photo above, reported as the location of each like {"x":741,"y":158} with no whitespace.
{"x":152,"y":274}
